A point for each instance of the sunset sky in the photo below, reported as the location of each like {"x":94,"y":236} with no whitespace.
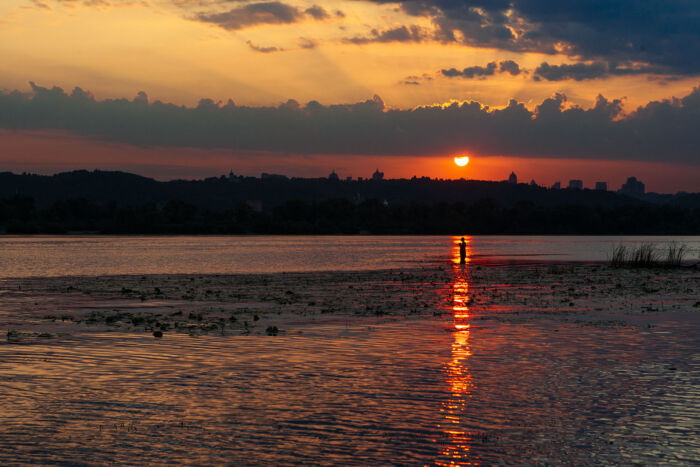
{"x":597,"y":90}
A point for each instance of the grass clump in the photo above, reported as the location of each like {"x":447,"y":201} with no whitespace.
{"x":675,"y":254}
{"x":618,"y":257}
{"x":647,"y":255}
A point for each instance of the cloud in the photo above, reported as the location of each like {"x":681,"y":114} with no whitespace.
{"x":659,"y":131}
{"x":97,"y":3}
{"x":249,"y":13}
{"x":253,"y":14}
{"x":472,"y":71}
{"x":415,"y":80}
{"x":507,"y":66}
{"x":303,"y":43}
{"x":317,"y":12}
{"x":40,"y":5}
{"x":263,"y":50}
{"x":586,"y":71}
{"x":100,"y":4}
{"x":411,"y":33}
{"x":661,"y":33}
{"x":306,"y":43}
{"x":73,"y":3}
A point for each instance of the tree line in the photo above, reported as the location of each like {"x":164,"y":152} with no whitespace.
{"x":21,"y":215}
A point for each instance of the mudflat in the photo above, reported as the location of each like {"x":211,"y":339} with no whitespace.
{"x":250,"y":303}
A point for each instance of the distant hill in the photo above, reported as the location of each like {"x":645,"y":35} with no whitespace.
{"x":219,"y":194}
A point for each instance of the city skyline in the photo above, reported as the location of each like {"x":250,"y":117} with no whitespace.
{"x":632,"y":185}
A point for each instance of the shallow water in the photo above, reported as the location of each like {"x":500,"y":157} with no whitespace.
{"x":455,"y":390}
{"x":50,"y":256}
{"x":402,"y":394}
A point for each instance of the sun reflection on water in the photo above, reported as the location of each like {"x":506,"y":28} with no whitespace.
{"x":456,"y":451}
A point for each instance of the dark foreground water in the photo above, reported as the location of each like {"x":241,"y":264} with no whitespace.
{"x":430,"y":392}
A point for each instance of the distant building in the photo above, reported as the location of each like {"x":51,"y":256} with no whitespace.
{"x":333,"y":177}
{"x":601,"y":186}
{"x":513,"y":178}
{"x":632,"y":187}
{"x":233,"y":178}
{"x":532,"y":182}
{"x":377,"y":175}
{"x":556,"y":186}
{"x":576,"y":184}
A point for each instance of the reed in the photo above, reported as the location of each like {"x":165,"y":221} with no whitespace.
{"x":618,"y":256}
{"x":675,"y":254}
{"x":647,"y":255}
{"x":644,"y":256}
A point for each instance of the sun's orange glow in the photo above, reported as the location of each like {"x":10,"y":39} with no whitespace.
{"x":461,"y":161}
{"x":51,"y":151}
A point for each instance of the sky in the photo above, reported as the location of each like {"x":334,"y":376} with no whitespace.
{"x":597,"y":90}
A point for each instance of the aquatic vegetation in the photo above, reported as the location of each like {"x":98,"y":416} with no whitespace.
{"x":644,"y":256}
{"x":675,"y":254}
{"x":647,"y":255}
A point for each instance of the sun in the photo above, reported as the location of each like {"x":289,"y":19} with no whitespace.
{"x":462,"y":161}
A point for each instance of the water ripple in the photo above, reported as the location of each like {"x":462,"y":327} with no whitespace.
{"x":411,"y":394}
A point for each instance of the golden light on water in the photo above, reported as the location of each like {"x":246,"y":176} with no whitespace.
{"x":457,"y":450}
{"x":462,"y":160}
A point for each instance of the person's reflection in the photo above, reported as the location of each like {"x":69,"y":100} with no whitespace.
{"x":456,"y":450}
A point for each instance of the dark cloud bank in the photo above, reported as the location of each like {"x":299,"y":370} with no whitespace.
{"x":660,"y":131}
{"x":661,"y":33}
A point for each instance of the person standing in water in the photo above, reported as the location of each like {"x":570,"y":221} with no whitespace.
{"x":462,"y":251}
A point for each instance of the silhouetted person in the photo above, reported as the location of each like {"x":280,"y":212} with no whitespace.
{"x":462,"y":251}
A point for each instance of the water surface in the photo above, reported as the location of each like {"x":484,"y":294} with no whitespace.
{"x":407,"y":393}
{"x":107,"y":255}
{"x":450,"y":389}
